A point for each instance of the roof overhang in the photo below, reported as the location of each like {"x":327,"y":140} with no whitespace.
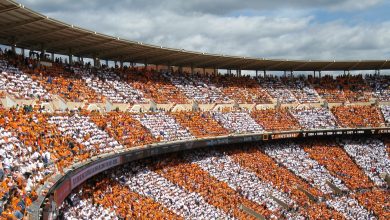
{"x":31,"y":30}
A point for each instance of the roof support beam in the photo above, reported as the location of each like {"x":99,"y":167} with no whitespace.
{"x":146,"y":53}
{"x":381,"y":66}
{"x":9,"y":8}
{"x":231,"y":64}
{"x":300,"y":66}
{"x":167,"y":57}
{"x":114,"y":51}
{"x":275,"y":65}
{"x":249,"y":64}
{"x":64,"y":41}
{"x":39,"y":34}
{"x":205,"y":63}
{"x":354,"y":66}
{"x":189,"y":60}
{"x":88,"y":48}
{"x":11,"y":26}
{"x":326,"y":66}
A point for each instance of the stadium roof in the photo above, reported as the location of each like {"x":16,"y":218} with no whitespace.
{"x":31,"y":30}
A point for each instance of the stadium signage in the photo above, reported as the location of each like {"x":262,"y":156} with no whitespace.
{"x":283,"y":136}
{"x":83,"y":175}
{"x":217,"y":142}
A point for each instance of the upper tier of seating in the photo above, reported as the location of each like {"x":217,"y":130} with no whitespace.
{"x":25,"y":78}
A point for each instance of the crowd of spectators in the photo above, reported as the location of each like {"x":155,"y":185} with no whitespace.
{"x":200,"y":124}
{"x":237,"y":121}
{"x":380,"y":86}
{"x":19,"y":84}
{"x":110,"y":85}
{"x":163,"y":127}
{"x":296,"y":159}
{"x":332,"y":156}
{"x":279,"y":91}
{"x":224,"y":169}
{"x":386,"y":113}
{"x":275,"y":119}
{"x":123,"y":127}
{"x":343,"y":88}
{"x":214,"y":183}
{"x":358,"y":116}
{"x":301,"y":89}
{"x":314,"y":118}
{"x":85,"y":132}
{"x":65,"y":82}
{"x":372,"y":157}
{"x":198,"y":88}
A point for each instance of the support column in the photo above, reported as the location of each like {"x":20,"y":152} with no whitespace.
{"x":314,"y":74}
{"x":23,"y":52}
{"x":215,"y":71}
{"x":70,"y":59}
{"x":285,"y":73}
{"x":107,"y":63}
{"x":319,"y":74}
{"x":257,"y":73}
{"x":292,"y":74}
{"x":265,"y":73}
{"x":52,"y":57}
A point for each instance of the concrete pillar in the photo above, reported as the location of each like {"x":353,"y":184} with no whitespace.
{"x":70,"y":59}
{"x":13,"y":48}
{"x":23,"y":52}
{"x":257,"y":73}
{"x":292,"y":74}
{"x":121,"y":64}
{"x":107,"y":63}
{"x":314,"y":74}
{"x":265,"y":73}
{"x":285,"y":73}
{"x":52,"y":57}
{"x":215,"y":71}
{"x":319,"y":73}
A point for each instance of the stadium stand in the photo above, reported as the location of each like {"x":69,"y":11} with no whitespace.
{"x":275,"y":119}
{"x":321,"y":178}
{"x":358,"y":116}
{"x":198,"y":88}
{"x":343,"y":88}
{"x":163,"y":127}
{"x":19,"y":84}
{"x":301,"y":89}
{"x":380,"y":86}
{"x":386,"y":113}
{"x":237,"y":121}
{"x":275,"y":87}
{"x":314,"y":118}
{"x":200,"y":124}
{"x":123,"y":127}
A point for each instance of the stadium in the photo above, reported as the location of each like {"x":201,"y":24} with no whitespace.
{"x":94,"y":126}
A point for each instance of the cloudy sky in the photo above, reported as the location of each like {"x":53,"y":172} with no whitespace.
{"x":292,"y":29}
